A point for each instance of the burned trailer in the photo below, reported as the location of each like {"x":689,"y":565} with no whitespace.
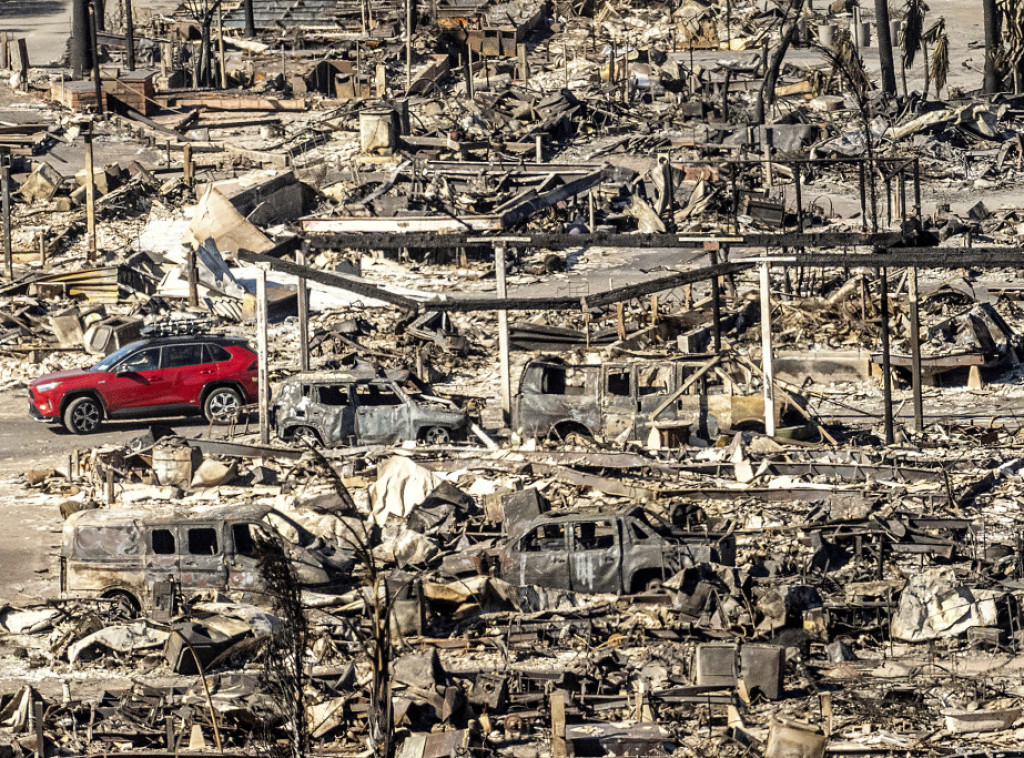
{"x":631,"y":399}
{"x":145,"y":559}
{"x":362,"y":406}
{"x":619,"y":552}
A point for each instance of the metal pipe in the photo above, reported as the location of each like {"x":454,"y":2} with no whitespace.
{"x":915,"y":351}
{"x":890,"y":437}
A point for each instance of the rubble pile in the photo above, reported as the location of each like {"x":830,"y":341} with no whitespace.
{"x":572,"y":378}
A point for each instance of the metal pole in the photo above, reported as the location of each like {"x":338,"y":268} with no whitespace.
{"x":81,"y":38}
{"x":408,"y":46}
{"x":220,"y":47}
{"x":129,"y":26}
{"x":303,"y":298}
{"x":90,"y":194}
{"x":5,"y":183}
{"x":915,"y":351}
{"x":766,"y":351}
{"x":799,"y":199}
{"x":890,"y":437}
{"x":506,"y":377}
{"x":263,"y":372}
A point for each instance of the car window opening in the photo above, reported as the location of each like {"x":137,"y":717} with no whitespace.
{"x":162,"y":541}
{"x":202,"y":541}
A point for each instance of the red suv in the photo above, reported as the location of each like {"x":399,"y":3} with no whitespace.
{"x":164,"y":376}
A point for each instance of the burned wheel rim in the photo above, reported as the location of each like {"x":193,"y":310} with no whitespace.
{"x":437,"y":435}
{"x":84,"y":416}
{"x":222,"y":405}
{"x":306,"y":437}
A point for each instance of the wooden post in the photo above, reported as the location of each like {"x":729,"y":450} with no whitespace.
{"x":187,"y":167}
{"x":538,"y":147}
{"x":37,"y":714}
{"x":766,"y":351}
{"x":654,"y":310}
{"x":890,"y":437}
{"x":5,"y":51}
{"x":110,"y":486}
{"x":716,"y":300}
{"x":5,"y":189}
{"x":558,"y":746}
{"x":506,"y":377}
{"x":90,"y":194}
{"x":620,"y":320}
{"x":590,"y":210}
{"x":524,"y":65}
{"x":469,"y":68}
{"x":129,"y":33}
{"x":915,"y":351}
{"x":193,"y":283}
{"x":303,"y":302}
{"x":263,"y":372}
{"x":220,"y":47}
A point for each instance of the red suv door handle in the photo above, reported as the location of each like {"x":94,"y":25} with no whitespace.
{"x":206,"y":371}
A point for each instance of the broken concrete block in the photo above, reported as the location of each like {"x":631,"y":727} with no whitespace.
{"x":42,"y":184}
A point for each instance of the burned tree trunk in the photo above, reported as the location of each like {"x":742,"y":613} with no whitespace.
{"x":766,"y":96}
{"x":992,"y":84}
{"x":885,"y":48}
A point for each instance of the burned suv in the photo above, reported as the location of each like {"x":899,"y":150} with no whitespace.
{"x":363,"y":406}
{"x":624,"y":551}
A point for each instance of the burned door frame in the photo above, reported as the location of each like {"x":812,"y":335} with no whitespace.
{"x":196,"y":567}
{"x":334,"y":427}
{"x":618,"y":412}
{"x":541,"y":412}
{"x":376,"y":418}
{"x":593,"y":565}
{"x":243,"y":569}
{"x":533,"y":565}
{"x":162,"y":567}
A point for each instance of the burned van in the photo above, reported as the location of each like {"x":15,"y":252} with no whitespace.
{"x":342,"y":408}
{"x":623,"y":400}
{"x":134,"y":556}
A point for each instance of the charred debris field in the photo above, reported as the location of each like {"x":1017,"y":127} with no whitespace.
{"x":575,"y":378}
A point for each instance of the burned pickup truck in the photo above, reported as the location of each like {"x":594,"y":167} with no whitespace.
{"x":364,"y":406}
{"x":625,"y":551}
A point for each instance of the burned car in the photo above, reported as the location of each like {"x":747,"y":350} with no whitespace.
{"x":624,"y":551}
{"x":627,"y":400}
{"x":364,"y":407}
{"x":137,"y":557}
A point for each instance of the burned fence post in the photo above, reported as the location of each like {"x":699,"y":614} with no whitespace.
{"x":5,"y":188}
{"x":558,"y":745}
{"x":303,"y":304}
{"x":915,"y":351}
{"x":220,"y":48}
{"x":890,"y":437}
{"x":766,"y":350}
{"x":187,"y":167}
{"x":263,"y":373}
{"x":408,"y":46}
